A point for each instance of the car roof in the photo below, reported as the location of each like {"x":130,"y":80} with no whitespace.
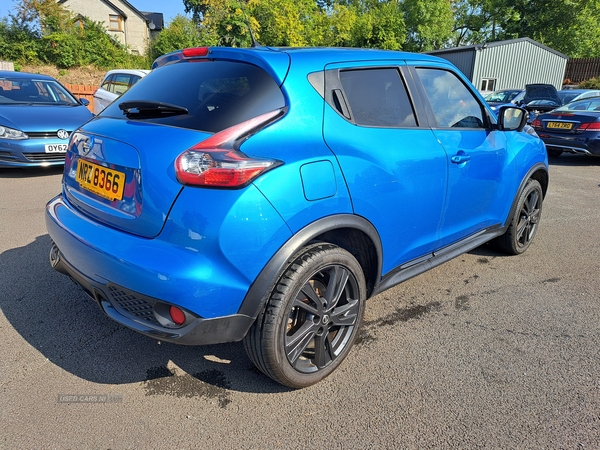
{"x":277,"y":60}
{"x":128,"y":71}
{"x":24,"y":75}
{"x":573,"y":91}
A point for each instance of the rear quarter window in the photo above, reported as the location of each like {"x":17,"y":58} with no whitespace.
{"x":217,"y":94}
{"x":378,"y":98}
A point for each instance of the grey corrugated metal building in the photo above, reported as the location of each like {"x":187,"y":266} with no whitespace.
{"x":507,"y":64}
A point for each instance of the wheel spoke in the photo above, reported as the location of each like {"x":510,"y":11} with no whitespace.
{"x":345,"y":315}
{"x":337,"y":283}
{"x":312,"y":295}
{"x":297,"y":342}
{"x":521,"y":228}
{"x":323,"y":351}
{"x":300,"y":302}
{"x":532,"y":202}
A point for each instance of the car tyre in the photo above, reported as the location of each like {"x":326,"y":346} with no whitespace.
{"x":311,"y":318}
{"x":524,"y":223}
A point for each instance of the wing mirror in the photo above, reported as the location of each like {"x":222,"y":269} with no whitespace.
{"x":511,"y":118}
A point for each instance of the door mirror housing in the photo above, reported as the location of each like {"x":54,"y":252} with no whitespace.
{"x":511,"y":118}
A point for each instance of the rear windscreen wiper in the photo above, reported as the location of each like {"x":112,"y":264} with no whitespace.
{"x":150,"y":108}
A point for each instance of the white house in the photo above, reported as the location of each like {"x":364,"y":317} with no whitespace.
{"x":123,"y":21}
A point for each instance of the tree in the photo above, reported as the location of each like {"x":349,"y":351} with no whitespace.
{"x":479,"y":21}
{"x":180,"y":33}
{"x":569,"y":26}
{"x":43,"y":31}
{"x":429,"y":24}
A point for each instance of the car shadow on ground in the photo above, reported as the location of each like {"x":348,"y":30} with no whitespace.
{"x":30,"y":172}
{"x":60,"y":321}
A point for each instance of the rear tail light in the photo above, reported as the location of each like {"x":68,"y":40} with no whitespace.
{"x":591,"y":126}
{"x":537,"y":123}
{"x":216,"y":162}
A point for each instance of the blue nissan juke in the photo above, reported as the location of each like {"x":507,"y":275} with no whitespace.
{"x":265,"y":194}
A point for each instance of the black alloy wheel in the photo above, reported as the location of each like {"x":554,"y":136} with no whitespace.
{"x":525,"y":221}
{"x":311,"y":319}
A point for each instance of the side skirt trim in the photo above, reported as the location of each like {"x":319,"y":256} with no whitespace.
{"x":424,"y":263}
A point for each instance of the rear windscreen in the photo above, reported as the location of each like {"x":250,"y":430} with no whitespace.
{"x":210,"y":95}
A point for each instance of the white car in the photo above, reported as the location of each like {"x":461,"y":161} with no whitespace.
{"x":115,"y":83}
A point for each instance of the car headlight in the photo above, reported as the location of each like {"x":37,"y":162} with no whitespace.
{"x":11,"y":133}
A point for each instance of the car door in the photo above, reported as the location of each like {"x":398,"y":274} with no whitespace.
{"x":103,"y":96}
{"x":479,"y":175}
{"x":393,"y":165}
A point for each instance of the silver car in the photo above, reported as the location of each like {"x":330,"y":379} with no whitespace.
{"x":115,"y":83}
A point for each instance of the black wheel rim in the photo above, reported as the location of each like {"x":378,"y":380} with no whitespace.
{"x":529,"y":217}
{"x":322,"y":319}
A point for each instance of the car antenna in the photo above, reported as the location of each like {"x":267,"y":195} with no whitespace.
{"x":252,"y":38}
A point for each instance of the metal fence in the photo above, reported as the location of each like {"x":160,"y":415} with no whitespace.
{"x":581,"y":69}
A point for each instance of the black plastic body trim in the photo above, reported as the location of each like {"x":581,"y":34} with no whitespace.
{"x":424,"y":263}
{"x":262,"y":286}
{"x":199,"y":332}
{"x":526,"y":178}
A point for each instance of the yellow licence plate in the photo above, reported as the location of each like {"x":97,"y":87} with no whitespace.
{"x":105,"y":182}
{"x":560,"y":125}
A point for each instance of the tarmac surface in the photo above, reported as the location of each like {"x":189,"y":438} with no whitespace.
{"x":485,"y":351}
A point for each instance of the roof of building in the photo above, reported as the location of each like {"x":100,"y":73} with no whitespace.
{"x":496,"y":44}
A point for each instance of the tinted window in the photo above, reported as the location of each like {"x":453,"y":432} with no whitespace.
{"x":377,"y":97}
{"x":452,"y":103}
{"x":217,"y":94}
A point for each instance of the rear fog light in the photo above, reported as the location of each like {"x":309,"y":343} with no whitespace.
{"x":177,"y":315}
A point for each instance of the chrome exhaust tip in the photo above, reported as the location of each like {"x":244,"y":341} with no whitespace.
{"x":55,"y":259}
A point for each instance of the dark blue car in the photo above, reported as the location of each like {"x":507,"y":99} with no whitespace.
{"x":37,"y":116}
{"x":265,"y":194}
{"x":572,"y":128}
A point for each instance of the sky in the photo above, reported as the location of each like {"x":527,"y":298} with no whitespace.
{"x":169,"y":8}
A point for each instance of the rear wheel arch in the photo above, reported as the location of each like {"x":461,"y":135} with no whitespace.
{"x":349,"y":232}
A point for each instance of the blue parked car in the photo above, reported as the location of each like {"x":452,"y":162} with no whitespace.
{"x":37,"y":116}
{"x":572,"y":128}
{"x":265,"y":194}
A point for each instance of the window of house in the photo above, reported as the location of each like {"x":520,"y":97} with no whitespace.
{"x":488,"y":84}
{"x":115,"y":22}
{"x":377,"y":97}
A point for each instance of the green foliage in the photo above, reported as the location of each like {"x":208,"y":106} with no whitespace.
{"x":41,"y":31}
{"x":181,"y":33}
{"x":429,"y":24}
{"x":592,"y":83}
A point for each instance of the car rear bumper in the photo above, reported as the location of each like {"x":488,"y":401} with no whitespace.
{"x":136,"y":311}
{"x":571,"y":145}
{"x":103,"y":261}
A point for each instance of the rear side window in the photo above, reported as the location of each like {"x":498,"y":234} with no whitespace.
{"x":216,"y":94}
{"x":120,"y":83}
{"x":377,"y":97}
{"x":453,"y":105}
